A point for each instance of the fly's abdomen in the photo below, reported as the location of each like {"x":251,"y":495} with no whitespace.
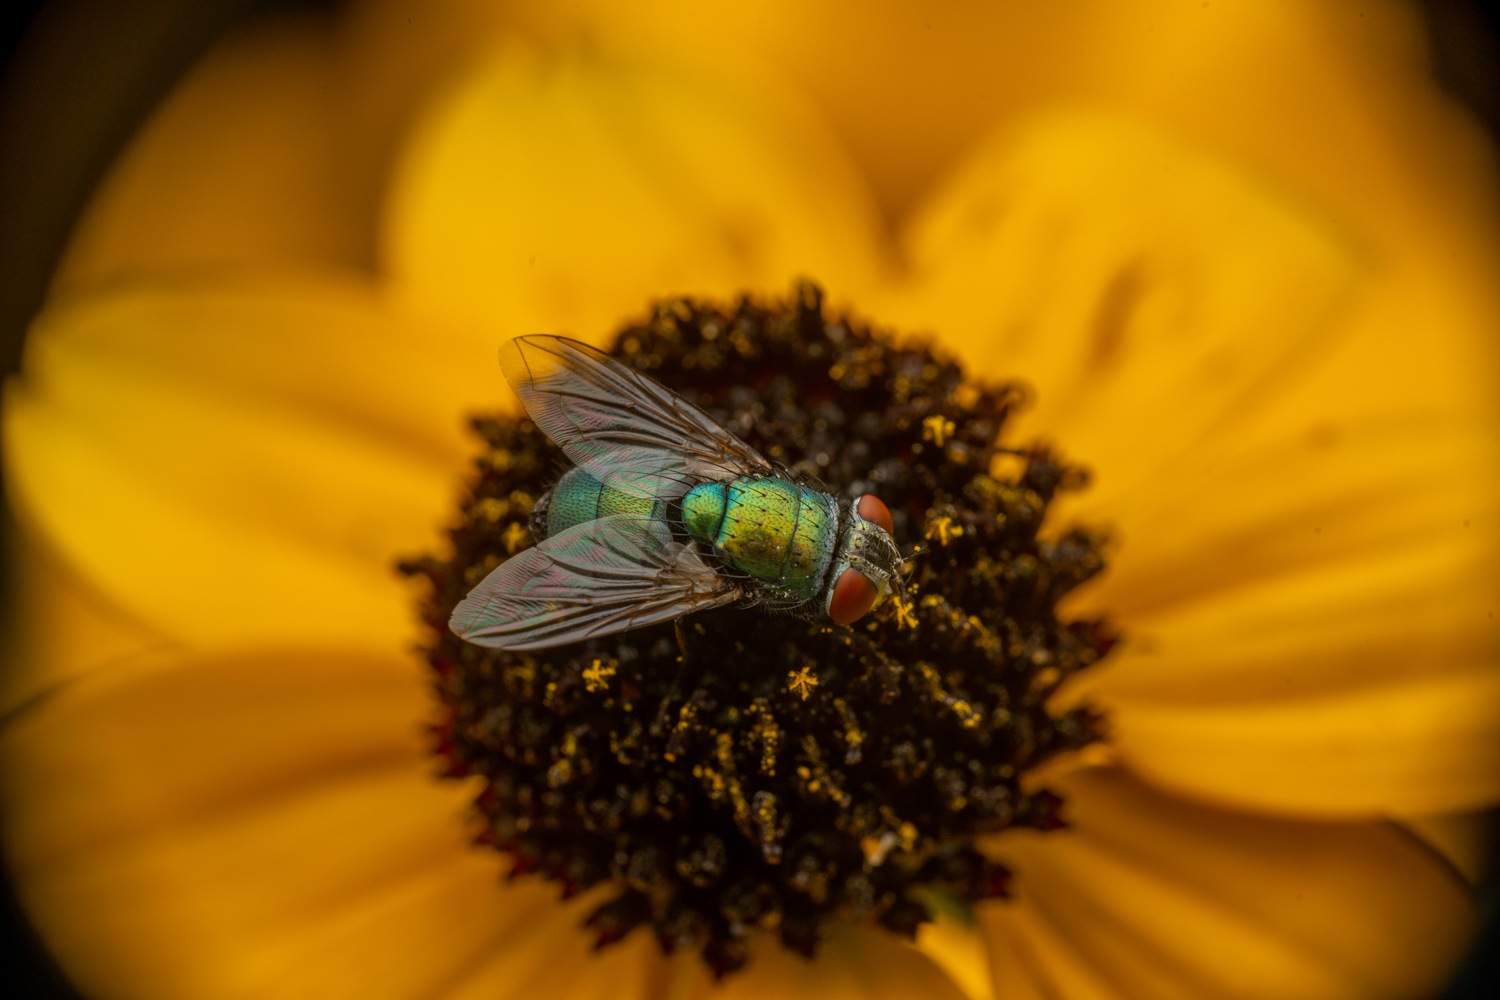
{"x":579,"y":497}
{"x":703,"y":511}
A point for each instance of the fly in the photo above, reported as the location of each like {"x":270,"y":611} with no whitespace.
{"x":665,"y":512}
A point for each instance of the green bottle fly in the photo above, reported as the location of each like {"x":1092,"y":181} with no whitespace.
{"x":665,"y":512}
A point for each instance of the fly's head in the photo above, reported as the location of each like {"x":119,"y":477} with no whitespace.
{"x":867,"y":566}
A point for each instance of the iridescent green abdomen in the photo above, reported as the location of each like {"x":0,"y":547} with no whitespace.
{"x":703,"y":511}
{"x":579,"y":497}
{"x":778,"y":532}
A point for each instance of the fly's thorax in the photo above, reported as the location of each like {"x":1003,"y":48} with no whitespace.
{"x":759,"y":519}
{"x":813,"y":540}
{"x":578,"y":497}
{"x":777,"y":532}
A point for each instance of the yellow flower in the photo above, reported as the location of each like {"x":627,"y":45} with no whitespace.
{"x":1244,"y":256}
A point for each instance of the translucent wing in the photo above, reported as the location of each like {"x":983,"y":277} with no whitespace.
{"x":628,"y":430}
{"x":604,"y":576}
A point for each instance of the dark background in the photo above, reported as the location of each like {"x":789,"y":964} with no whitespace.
{"x":80,"y":75}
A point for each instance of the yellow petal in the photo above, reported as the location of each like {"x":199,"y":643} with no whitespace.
{"x":256,"y":825}
{"x":1336,"y":558}
{"x":1314,"y":623}
{"x":164,"y":742}
{"x":959,"y":950}
{"x":243,"y":460}
{"x":853,"y":963}
{"x":1144,"y":289}
{"x":275,"y":147}
{"x":63,"y":627}
{"x":1032,"y":960}
{"x":246,"y":162}
{"x":1347,"y":533}
{"x":1426,"y":745}
{"x":1224,"y":525}
{"x":1333,"y":100}
{"x":1301,"y":499}
{"x":1145,"y":895}
{"x":907,"y":87}
{"x":551,"y":954}
{"x":562,"y":190}
{"x":1465,"y":839}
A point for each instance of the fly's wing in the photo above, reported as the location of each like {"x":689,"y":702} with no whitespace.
{"x":604,"y":576}
{"x":625,"y":429}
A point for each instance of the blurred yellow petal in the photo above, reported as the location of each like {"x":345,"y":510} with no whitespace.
{"x":243,"y":460}
{"x":1335,"y":558}
{"x":907,"y":87}
{"x":245,"y":163}
{"x":1145,"y":290}
{"x":275,"y":148}
{"x":853,"y":963}
{"x":1463,"y":838}
{"x":1324,"y":613}
{"x":1146,"y":895}
{"x":1376,"y":545}
{"x":1015,"y":962}
{"x":561,"y":190}
{"x":168,"y":740}
{"x":1426,"y":745}
{"x":1163,"y":304}
{"x":1334,"y":100}
{"x":263,"y":824}
{"x":63,"y":627}
{"x":959,"y":950}
{"x":551,"y":954}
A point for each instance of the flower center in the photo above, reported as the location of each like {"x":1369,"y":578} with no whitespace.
{"x":740,"y":769}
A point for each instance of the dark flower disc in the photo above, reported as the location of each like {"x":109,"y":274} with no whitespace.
{"x":743,"y":770}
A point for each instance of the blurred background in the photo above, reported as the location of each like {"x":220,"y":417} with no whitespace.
{"x":79,"y":76}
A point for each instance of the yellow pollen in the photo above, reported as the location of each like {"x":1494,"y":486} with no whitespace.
{"x":904,"y":615}
{"x":514,"y":537}
{"x":937,"y":429}
{"x":876,"y":848}
{"x":596,"y":678}
{"x":944,"y":528}
{"x":802,"y":681}
{"x":491,"y":509}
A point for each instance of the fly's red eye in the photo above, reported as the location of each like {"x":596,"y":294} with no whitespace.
{"x":871,"y":509}
{"x":853,"y":596}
